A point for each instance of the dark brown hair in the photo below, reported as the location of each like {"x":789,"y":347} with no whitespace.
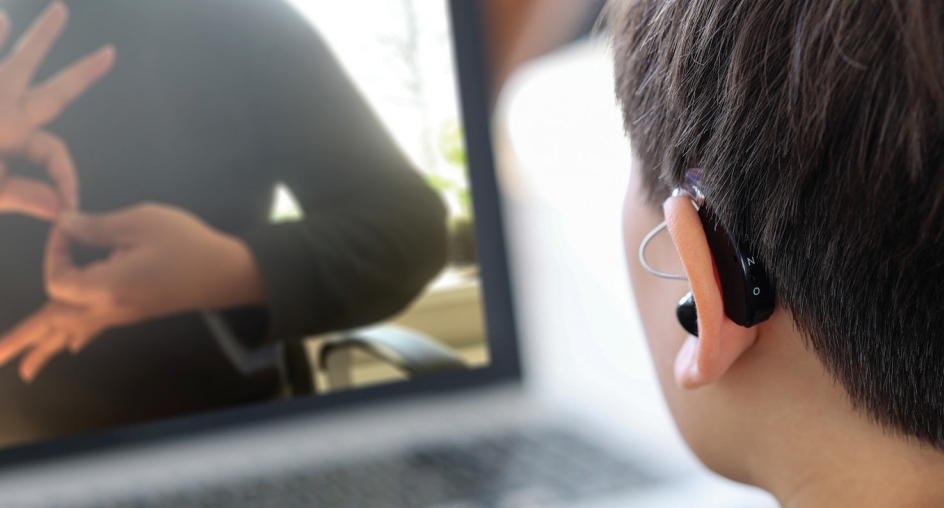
{"x":819,"y":125}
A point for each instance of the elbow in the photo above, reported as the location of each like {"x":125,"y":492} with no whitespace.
{"x":431,"y":251}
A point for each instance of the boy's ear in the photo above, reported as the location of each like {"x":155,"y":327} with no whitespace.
{"x":703,"y":359}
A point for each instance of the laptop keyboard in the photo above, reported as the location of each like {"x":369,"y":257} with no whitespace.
{"x":539,"y":467}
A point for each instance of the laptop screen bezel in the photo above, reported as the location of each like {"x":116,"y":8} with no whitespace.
{"x":474,"y":90}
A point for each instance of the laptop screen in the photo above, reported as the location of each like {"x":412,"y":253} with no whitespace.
{"x":263,"y":207}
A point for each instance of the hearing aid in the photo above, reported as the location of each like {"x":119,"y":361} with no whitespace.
{"x":745,"y":287}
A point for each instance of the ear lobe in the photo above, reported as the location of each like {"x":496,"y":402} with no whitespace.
{"x":703,"y":359}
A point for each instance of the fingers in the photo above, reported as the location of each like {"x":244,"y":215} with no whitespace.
{"x":57,"y":263}
{"x":48,"y":150}
{"x":64,"y":281}
{"x":45,"y":102}
{"x":29,"y":197}
{"x":46,"y":333}
{"x":18,"y":70}
{"x":24,"y":335}
{"x":54,"y":342}
{"x":101,"y":230}
{"x":37,"y":199}
{"x":58,"y":325}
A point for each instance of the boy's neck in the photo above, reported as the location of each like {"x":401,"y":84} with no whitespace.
{"x":874,"y":473}
{"x":817,"y":451}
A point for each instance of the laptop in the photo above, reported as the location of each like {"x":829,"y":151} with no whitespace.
{"x":543,"y":398}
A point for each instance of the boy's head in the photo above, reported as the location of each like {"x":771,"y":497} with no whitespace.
{"x":819,"y":126}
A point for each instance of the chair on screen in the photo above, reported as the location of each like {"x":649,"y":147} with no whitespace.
{"x":409,"y":351}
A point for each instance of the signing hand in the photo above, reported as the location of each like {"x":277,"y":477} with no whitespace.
{"x":163,"y":261}
{"x":24,"y":110}
{"x":33,"y":197}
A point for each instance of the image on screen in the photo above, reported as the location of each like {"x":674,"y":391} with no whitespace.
{"x":239,"y":202}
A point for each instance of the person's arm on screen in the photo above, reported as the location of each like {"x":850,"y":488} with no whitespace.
{"x":373,"y":233}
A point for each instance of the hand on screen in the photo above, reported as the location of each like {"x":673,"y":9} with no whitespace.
{"x":32,"y":197}
{"x":163,"y":261}
{"x":24,"y":110}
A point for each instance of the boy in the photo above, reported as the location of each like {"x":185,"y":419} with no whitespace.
{"x":819,"y":129}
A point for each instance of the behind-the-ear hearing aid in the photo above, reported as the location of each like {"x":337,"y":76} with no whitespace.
{"x":748,"y":298}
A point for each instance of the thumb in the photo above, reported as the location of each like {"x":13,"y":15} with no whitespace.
{"x":104,"y":230}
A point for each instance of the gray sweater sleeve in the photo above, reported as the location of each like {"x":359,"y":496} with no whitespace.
{"x":373,"y":233}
